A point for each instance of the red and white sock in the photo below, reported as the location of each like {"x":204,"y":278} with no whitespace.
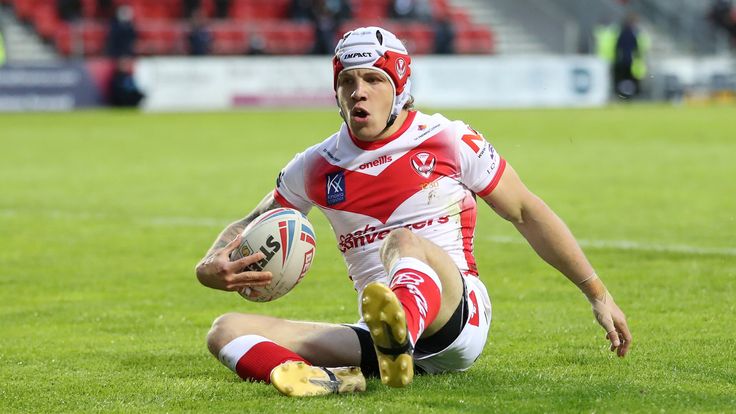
{"x":419,"y":290}
{"x":253,"y":357}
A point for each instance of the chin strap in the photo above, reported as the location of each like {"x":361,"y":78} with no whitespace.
{"x":391,"y":120}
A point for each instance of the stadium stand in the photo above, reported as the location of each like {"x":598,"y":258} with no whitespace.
{"x":162,"y":27}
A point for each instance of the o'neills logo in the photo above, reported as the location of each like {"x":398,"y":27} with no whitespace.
{"x":368,"y":235}
{"x":356,"y":54}
{"x":383,"y":159}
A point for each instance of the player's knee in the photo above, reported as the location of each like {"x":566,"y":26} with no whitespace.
{"x":224,"y":329}
{"x":399,"y":243}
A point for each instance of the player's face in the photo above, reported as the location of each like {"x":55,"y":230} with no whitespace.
{"x":365,"y":97}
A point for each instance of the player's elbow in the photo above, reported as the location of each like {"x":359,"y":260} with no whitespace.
{"x":513,"y":212}
{"x":524,"y":210}
{"x":515,"y":216}
{"x":199,"y":272}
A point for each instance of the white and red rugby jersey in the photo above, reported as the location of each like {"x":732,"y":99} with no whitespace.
{"x":423,"y":178}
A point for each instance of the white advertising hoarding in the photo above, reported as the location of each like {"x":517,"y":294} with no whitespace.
{"x":200,"y":84}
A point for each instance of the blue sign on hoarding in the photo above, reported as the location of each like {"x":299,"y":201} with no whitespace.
{"x":47,"y":87}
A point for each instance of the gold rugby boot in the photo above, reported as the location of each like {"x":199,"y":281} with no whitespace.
{"x":297,"y":379}
{"x":385,"y":317}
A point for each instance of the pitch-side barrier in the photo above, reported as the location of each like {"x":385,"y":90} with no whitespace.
{"x":185,"y":84}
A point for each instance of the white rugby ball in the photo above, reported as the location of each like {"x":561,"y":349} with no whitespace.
{"x":287,"y":239}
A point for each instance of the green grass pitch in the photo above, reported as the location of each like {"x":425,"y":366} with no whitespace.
{"x":104,"y":214}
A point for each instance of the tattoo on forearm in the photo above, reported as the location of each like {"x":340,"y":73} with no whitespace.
{"x":235,"y":228}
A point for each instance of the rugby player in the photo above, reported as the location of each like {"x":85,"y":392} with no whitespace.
{"x":399,"y":188}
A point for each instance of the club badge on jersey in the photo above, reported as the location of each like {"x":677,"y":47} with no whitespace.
{"x":423,"y":163}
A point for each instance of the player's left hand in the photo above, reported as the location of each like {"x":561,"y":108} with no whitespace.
{"x":613,"y":320}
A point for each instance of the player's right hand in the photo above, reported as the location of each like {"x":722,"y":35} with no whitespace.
{"x":613,"y":320}
{"x":218,"y":272}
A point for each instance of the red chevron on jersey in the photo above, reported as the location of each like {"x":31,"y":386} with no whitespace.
{"x":423,"y":178}
{"x":379,"y":196}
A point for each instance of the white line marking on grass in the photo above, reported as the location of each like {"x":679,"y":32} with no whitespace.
{"x":171,"y":221}
{"x":632,"y":245}
{"x":183,"y":221}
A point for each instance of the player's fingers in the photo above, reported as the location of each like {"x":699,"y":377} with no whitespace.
{"x":625,"y":337}
{"x":250,"y":279}
{"x":242,"y":286}
{"x":250,"y":284}
{"x":246,"y":261}
{"x":234,"y":244}
{"x":613,"y":337}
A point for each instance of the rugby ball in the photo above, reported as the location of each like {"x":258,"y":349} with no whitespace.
{"x":287,"y":239}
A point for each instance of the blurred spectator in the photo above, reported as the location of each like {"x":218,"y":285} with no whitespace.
{"x":423,"y":11}
{"x":301,"y":10}
{"x":105,"y":9}
{"x":200,"y":39}
{"x":190,"y":6}
{"x":123,"y":90}
{"x":402,"y":9}
{"x":340,"y":9}
{"x":722,"y":15}
{"x":69,"y":10}
{"x":328,"y":15}
{"x":122,"y":34}
{"x":256,"y":45}
{"x":444,"y":36}
{"x":629,"y":66}
{"x":222,"y":9}
{"x":605,"y":36}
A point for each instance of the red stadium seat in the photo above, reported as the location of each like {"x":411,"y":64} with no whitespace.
{"x":63,"y":40}
{"x":241,"y":11}
{"x":159,"y":37}
{"x":89,"y":9}
{"x":24,"y":8}
{"x":418,"y":38}
{"x":208,"y":7}
{"x":287,"y":38}
{"x":259,"y":10}
{"x":474,"y":40}
{"x":94,"y":36}
{"x":85,"y":38}
{"x":459,"y":17}
{"x":45,"y":19}
{"x":229,"y":38}
{"x":371,"y":9}
{"x":440,"y":9}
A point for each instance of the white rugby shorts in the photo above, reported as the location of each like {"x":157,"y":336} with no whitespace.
{"x":467,"y":347}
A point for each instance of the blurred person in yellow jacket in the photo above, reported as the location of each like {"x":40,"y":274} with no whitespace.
{"x":2,"y":50}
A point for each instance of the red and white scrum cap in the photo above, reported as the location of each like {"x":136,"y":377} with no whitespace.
{"x":376,"y":48}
